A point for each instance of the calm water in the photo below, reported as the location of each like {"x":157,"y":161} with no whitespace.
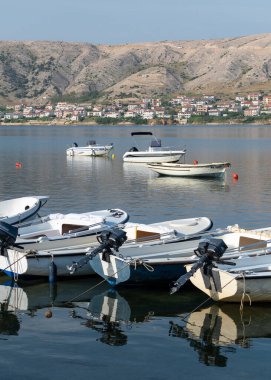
{"x":153,"y":335}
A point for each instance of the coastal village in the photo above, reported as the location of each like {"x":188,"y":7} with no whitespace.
{"x":181,"y":109}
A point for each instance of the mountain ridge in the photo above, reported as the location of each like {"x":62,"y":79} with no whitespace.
{"x":39,"y":70}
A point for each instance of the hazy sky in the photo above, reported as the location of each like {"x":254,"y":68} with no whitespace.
{"x":128,"y":21}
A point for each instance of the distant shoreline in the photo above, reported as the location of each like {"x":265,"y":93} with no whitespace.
{"x":129,"y":124}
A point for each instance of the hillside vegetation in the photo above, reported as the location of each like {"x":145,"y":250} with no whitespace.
{"x":38,"y":70}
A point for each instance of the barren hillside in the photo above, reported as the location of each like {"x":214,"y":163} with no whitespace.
{"x":35,"y":70}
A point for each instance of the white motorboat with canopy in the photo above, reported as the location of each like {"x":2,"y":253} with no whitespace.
{"x":155,"y":152}
{"x":16,"y":210}
{"x":91,"y":149}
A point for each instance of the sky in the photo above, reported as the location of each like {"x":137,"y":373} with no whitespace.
{"x":132,"y":21}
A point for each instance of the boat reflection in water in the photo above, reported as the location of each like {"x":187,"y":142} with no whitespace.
{"x":87,"y":163}
{"x":137,"y":171}
{"x":216,"y":331}
{"x":107,"y":313}
{"x":94,"y":304}
{"x":190,"y":184}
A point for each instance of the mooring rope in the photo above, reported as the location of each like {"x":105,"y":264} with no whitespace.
{"x":208,"y":299}
{"x":15,"y":262}
{"x":96,"y":285}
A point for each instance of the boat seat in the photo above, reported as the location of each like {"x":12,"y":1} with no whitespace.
{"x":68,"y":228}
{"x":146,"y":235}
{"x":247,"y":241}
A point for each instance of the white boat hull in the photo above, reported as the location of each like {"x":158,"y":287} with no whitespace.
{"x":185,"y":170}
{"x":34,"y":259}
{"x":167,"y":262}
{"x":148,"y":157}
{"x":248,"y":281}
{"x":26,"y":266}
{"x":66,"y":226}
{"x":91,"y":150}
{"x":16,"y":210}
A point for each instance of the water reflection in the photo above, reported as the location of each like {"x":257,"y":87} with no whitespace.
{"x":137,"y":171}
{"x":32,"y":297}
{"x":83,"y":163}
{"x":216,"y":331}
{"x":107,"y":313}
{"x":114,"y":313}
{"x":189,"y":184}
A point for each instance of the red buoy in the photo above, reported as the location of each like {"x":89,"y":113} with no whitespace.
{"x":18,"y":164}
{"x":196,"y":162}
{"x":234,"y":175}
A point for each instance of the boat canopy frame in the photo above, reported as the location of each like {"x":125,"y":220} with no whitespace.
{"x":141,"y":133}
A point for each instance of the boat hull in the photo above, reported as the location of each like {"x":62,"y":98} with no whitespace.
{"x":35,"y":258}
{"x":221,"y":285}
{"x":17,"y":210}
{"x":93,"y":151}
{"x":146,"y":157}
{"x":214,"y":170}
{"x":23,"y":266}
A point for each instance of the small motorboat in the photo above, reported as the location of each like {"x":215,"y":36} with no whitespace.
{"x":17,"y":210}
{"x":31,"y":258}
{"x":157,"y":263}
{"x":211,"y":170}
{"x":91,"y":149}
{"x":243,"y":276}
{"x":155,"y":152}
{"x":66,"y":226}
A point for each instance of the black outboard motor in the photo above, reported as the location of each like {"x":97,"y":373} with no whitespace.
{"x":112,"y":239}
{"x":208,"y":250}
{"x":212,"y":248}
{"x":108,"y":239}
{"x":8,"y":236}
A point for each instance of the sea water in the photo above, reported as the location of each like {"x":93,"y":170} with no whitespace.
{"x":81,"y":329}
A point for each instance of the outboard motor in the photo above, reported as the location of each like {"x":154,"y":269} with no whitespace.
{"x":213,"y":249}
{"x":108,"y":239}
{"x":112,"y":239}
{"x":8,"y":236}
{"x":208,"y":250}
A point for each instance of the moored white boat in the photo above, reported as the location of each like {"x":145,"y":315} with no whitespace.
{"x":67,"y":226}
{"x":91,"y":149}
{"x":249,"y":280}
{"x":245,"y":278}
{"x":215,"y":169}
{"x":160,"y":264}
{"x":17,"y":210}
{"x":33,"y":258}
{"x":155,"y":152}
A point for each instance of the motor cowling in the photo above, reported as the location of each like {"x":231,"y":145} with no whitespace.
{"x":212,"y":248}
{"x":113,"y":238}
{"x":8,"y":234}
